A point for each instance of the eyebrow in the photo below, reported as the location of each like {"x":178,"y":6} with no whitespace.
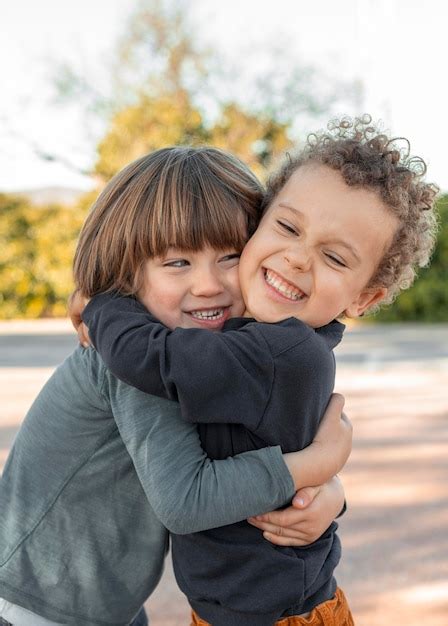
{"x":348,"y":247}
{"x":340,"y":242}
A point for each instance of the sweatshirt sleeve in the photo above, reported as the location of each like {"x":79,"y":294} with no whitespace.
{"x":188,"y":491}
{"x":216,"y":377}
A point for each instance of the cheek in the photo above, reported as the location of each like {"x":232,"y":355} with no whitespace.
{"x":250,"y":251}
{"x":162,"y":302}
{"x":250,"y":258}
{"x":166,"y":310}
{"x":233,"y":279}
{"x":169,"y":300}
{"x":233,"y":285}
{"x":243,"y":275}
{"x":144,"y":295}
{"x":333,"y":286}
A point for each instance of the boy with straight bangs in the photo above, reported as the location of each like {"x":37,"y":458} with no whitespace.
{"x":345,"y":224}
{"x":99,"y":469}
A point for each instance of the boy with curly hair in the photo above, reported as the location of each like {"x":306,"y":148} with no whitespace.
{"x":345,"y":224}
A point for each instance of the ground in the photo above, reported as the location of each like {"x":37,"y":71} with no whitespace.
{"x":394,"y":568}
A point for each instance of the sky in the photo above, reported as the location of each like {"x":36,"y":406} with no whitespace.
{"x":396,"y":48}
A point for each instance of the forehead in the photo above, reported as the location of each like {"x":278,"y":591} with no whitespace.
{"x":318,"y":196}
{"x":319,"y":187}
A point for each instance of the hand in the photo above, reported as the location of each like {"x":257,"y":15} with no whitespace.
{"x":312,"y":511}
{"x":328,"y":452}
{"x":76,"y":305}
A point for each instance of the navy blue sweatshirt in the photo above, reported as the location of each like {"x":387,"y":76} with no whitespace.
{"x":250,"y":386}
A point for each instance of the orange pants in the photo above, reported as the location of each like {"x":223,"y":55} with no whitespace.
{"x":335,"y":612}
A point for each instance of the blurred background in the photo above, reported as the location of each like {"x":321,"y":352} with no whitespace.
{"x":89,"y":86}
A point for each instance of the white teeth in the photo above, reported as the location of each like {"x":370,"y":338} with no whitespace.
{"x":286,"y":289}
{"x":211,"y":314}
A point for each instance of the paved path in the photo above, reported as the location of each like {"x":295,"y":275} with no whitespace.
{"x":395,"y":379}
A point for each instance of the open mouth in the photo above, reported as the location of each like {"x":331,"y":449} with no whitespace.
{"x":283,"y":287}
{"x":212,"y":318}
{"x":209,"y":315}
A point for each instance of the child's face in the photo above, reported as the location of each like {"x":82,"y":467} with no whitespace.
{"x":315,"y":250}
{"x":193,"y":289}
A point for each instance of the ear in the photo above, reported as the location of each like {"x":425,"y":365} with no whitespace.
{"x":366,"y":299}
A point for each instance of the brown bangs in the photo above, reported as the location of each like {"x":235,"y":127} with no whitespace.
{"x":188,"y":198}
{"x":194,"y":212}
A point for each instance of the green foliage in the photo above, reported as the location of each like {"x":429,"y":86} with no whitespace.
{"x":172,"y":120}
{"x":427,"y":299}
{"x":152,"y":123}
{"x":257,"y":139}
{"x":37,"y":246}
{"x":165,"y":91}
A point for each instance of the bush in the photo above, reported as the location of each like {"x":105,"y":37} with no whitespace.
{"x":427,"y":299}
{"x":37,"y":245}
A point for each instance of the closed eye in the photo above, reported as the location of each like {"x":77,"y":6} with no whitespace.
{"x":177,"y":263}
{"x":287,"y":227}
{"x":230,"y":257}
{"x":335,"y":260}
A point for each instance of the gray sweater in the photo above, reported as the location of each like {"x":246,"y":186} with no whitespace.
{"x":96,"y":473}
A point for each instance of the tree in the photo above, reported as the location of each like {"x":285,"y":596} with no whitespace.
{"x":146,"y":126}
{"x":161,"y":89}
{"x":257,"y":139}
{"x":165,"y":89}
{"x":172,"y":120}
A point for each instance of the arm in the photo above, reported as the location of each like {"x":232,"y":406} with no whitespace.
{"x":216,"y":377}
{"x":313,"y":508}
{"x":305,"y":521}
{"x":188,"y":491}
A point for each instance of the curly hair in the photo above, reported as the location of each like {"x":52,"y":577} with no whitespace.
{"x":366,"y":157}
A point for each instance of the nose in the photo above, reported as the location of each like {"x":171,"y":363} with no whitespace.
{"x":298,"y":257}
{"x":206,"y":282}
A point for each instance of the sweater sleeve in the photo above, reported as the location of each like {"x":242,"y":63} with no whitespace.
{"x":188,"y":491}
{"x":216,"y":377}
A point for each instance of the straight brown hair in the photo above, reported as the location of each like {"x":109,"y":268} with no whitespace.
{"x":181,"y":197}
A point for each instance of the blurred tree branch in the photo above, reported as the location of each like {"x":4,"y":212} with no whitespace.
{"x":161,"y":77}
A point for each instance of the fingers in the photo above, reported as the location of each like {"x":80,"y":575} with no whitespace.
{"x":284,"y":518}
{"x":345,"y":419}
{"x":83,"y":335}
{"x":72,"y":298}
{"x":73,"y":312}
{"x":304,"y":497}
{"x":267,"y":526}
{"x":303,"y":532}
{"x":286,"y":541}
{"x":333,"y":415}
{"x":296,"y":536}
{"x":76,"y":305}
{"x":336,"y":403}
{"x":287,"y":534}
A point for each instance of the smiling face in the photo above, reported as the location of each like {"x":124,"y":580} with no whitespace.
{"x":193,"y":289}
{"x":315,"y":250}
